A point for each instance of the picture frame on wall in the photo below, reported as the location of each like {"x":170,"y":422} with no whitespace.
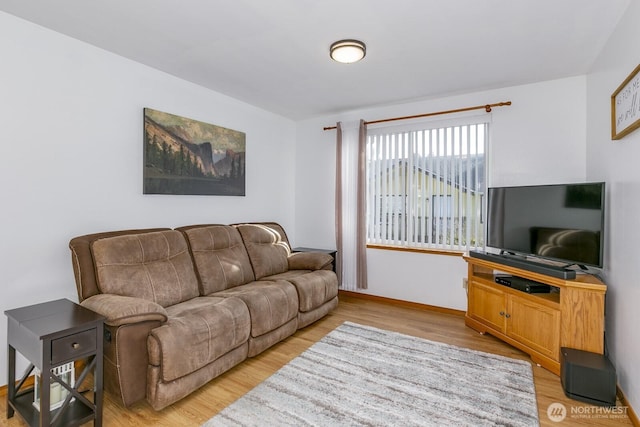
{"x":183,"y":156}
{"x":625,"y":106}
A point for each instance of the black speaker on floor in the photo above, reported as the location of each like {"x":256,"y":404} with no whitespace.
{"x":587,"y":377}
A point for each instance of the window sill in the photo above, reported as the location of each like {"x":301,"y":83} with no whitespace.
{"x":419,"y":250}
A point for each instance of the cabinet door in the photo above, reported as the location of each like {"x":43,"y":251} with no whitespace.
{"x":534,"y":325}
{"x":487,"y":305}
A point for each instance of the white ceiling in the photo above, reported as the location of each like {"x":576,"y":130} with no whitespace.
{"x":274,"y":53}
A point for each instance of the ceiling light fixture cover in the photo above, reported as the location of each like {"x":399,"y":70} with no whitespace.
{"x":347,"y":51}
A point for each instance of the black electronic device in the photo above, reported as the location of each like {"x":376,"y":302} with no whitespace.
{"x":524,"y":285}
{"x":587,"y":377}
{"x":561,"y":222}
{"x":536,"y":267}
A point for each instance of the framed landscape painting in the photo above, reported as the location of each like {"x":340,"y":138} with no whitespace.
{"x":184,"y":156}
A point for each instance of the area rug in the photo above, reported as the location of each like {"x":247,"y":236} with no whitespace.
{"x":363,"y":376}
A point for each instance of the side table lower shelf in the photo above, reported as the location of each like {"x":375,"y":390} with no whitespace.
{"x":76,"y":413}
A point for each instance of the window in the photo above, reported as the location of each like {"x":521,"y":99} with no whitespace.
{"x":426,"y":184}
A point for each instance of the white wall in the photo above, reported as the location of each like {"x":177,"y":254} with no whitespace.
{"x":71,"y":138}
{"x":616,"y":162}
{"x":540,"y":139}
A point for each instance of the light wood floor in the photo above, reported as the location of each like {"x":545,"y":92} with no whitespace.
{"x":204,"y":403}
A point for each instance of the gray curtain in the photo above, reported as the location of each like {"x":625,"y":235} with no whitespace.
{"x":351,"y":233}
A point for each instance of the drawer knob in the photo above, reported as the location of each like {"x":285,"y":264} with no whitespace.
{"x":502,"y":313}
{"x":75,"y":346}
{"x":508,"y":315}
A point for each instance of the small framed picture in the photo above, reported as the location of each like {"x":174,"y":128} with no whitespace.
{"x":625,"y":106}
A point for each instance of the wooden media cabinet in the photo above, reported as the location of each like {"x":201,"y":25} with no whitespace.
{"x":537,"y":323}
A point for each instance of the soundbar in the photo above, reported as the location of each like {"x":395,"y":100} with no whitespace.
{"x":525,"y":264}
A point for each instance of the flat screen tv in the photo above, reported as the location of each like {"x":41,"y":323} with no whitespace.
{"x":562,"y":222}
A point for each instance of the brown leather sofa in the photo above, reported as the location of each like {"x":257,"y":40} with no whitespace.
{"x":185,"y":305}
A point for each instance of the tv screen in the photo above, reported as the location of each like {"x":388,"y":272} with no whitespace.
{"x":563,"y":222}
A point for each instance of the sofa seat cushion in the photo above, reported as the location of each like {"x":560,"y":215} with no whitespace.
{"x":153,"y":266}
{"x":314,"y":288}
{"x":220,"y":257}
{"x":198,"y":332}
{"x":271,"y":304}
{"x":291,"y":274}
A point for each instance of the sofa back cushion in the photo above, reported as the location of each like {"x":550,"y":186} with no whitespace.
{"x":267,"y":248}
{"x":152,"y":266}
{"x":220,"y":257}
{"x":84,"y":268}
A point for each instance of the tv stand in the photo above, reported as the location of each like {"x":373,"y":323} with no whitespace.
{"x":538,"y":324}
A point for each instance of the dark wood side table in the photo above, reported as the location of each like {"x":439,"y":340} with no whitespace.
{"x":331,"y":252}
{"x":49,"y":335}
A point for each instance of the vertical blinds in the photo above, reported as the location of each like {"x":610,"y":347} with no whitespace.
{"x":426,"y":184}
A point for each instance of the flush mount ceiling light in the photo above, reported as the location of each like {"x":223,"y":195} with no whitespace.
{"x":347,"y":51}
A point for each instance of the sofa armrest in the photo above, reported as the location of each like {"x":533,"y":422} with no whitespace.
{"x":309,"y":260}
{"x":121,"y":310}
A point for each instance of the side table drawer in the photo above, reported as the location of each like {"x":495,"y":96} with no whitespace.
{"x":70,"y":347}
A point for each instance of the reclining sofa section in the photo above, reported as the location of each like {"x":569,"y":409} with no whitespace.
{"x":185,"y":305}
